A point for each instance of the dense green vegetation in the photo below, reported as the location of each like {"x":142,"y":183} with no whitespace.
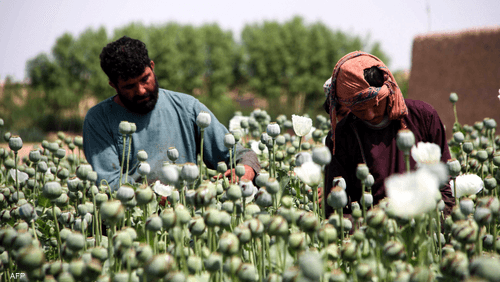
{"x":272,"y":60}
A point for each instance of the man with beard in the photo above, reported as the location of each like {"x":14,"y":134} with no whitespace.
{"x":163,"y":119}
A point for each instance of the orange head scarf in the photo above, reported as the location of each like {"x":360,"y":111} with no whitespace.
{"x":349,"y":89}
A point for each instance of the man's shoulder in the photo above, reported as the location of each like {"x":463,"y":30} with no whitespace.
{"x":179,"y":101}
{"x":177,"y":96}
{"x":419,"y":107}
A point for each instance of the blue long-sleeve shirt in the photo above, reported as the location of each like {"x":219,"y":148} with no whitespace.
{"x":172,"y":123}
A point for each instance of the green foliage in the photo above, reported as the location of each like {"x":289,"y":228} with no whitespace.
{"x":277,"y":61}
{"x":402,"y":78}
{"x":294,"y":59}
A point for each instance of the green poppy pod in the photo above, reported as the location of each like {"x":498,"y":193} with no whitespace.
{"x":458,"y":137}
{"x":203,"y":197}
{"x":63,"y":173}
{"x":170,"y":174}
{"x":142,"y":156}
{"x":234,"y":192}
{"x":453,"y":97}
{"x":203,"y":119}
{"x":100,"y":198}
{"x":327,"y":233}
{"x":82,"y":171}
{"x":144,"y":195}
{"x":362,"y":171}
{"x":263,"y":198}
{"x":75,"y":241}
{"x":272,"y":186}
{"x":60,"y":153}
{"x":229,"y":140}
{"x":273,"y":130}
{"x":125,"y":193}
{"x":35,"y":156}
{"x":309,"y":222}
{"x":66,"y":218}
{"x":92,"y":176}
{"x":15,"y":143}
{"x":394,"y":250}
{"x":221,"y":167}
{"x":52,"y":190}
{"x":27,"y":212}
{"x":78,"y":141}
{"x":112,"y":211}
{"x":337,"y":198}
{"x":183,"y":215}
{"x":190,"y":172}
{"x":214,"y":262}
{"x":159,"y":265}
{"x":212,"y":217}
{"x":62,"y":200}
{"x":311,"y":265}
{"x":77,"y":269}
{"x":280,"y":140}
{"x":42,"y":167}
{"x":124,"y":128}
{"x":489,"y":123}
{"x":454,"y":167}
{"x":321,"y":155}
{"x":154,"y":223}
{"x":197,"y":226}
{"x":247,"y":273}
{"x":229,"y":244}
{"x":482,"y":216}
{"x":376,"y":218}
{"x":278,"y":226}
{"x":240,"y":170}
{"x":261,"y":178}
{"x":405,"y":140}
{"x":243,"y":233}
{"x":30,"y":257}
{"x":7,"y":136}
{"x":481,"y":156}
{"x":297,"y":241}
{"x":23,"y":239}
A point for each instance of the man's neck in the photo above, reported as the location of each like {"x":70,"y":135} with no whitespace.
{"x":383,"y":124}
{"x":117,"y":100}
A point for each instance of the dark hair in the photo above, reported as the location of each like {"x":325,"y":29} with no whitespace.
{"x":124,"y":58}
{"x":374,"y":76}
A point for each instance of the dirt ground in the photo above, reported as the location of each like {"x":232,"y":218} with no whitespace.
{"x":27,"y":147}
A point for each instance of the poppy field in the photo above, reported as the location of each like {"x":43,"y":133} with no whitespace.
{"x":194,"y":224}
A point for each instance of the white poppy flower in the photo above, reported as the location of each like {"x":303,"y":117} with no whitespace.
{"x":254,"y":145}
{"x":21,"y":176}
{"x":310,"y":134}
{"x":301,"y":125}
{"x":162,"y":190}
{"x":309,"y":173}
{"x":467,"y":185}
{"x":412,"y":193}
{"x":235,"y":122}
{"x":425,"y":153}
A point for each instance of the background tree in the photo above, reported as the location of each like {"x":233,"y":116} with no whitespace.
{"x":283,"y":63}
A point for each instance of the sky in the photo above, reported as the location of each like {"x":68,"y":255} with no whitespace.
{"x":28,"y":28}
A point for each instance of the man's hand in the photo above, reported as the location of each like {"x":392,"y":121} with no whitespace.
{"x":249,"y":174}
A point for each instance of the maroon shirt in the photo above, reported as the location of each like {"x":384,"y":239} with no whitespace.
{"x":382,"y":155}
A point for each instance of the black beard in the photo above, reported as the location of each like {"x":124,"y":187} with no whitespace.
{"x":144,"y":107}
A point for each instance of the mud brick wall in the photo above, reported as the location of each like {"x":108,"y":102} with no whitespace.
{"x":466,"y":62}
